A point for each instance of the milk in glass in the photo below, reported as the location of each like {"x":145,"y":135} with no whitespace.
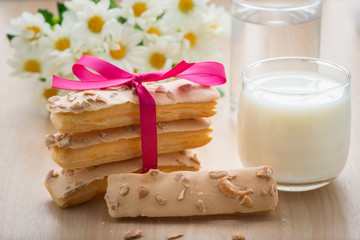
{"x":296,"y":121}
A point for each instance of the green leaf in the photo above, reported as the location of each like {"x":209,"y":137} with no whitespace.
{"x":49,"y":17}
{"x":10,"y":37}
{"x":221,"y":92}
{"x":160,"y":16}
{"x":141,"y":43}
{"x":61,"y":9}
{"x":42,"y":79}
{"x":95,"y":1}
{"x":138,"y":27}
{"x":122,"y":20}
{"x":113,"y":4}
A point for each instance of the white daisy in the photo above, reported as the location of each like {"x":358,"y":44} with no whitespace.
{"x":218,"y":19}
{"x":92,"y":21}
{"x":28,"y":31}
{"x":140,"y":12}
{"x":196,"y":43}
{"x":78,"y":5}
{"x":32,"y":64}
{"x":179,"y":11}
{"x":123,"y":48}
{"x":160,"y":55}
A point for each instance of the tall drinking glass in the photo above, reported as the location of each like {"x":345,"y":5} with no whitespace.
{"x":271,"y":28}
{"x":294,"y":114}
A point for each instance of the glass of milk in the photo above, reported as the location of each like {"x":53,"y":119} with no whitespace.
{"x":294,"y":115}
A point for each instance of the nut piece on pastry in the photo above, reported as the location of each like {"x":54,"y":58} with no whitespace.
{"x":72,"y":187}
{"x":240,"y":191}
{"x":98,"y":110}
{"x":79,"y":150}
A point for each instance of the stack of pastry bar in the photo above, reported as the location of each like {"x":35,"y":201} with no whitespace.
{"x":99,"y":135}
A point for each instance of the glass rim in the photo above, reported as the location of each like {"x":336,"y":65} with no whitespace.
{"x":318,"y":61}
{"x":295,"y":7}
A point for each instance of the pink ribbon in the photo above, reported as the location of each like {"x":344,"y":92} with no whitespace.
{"x":204,"y":73}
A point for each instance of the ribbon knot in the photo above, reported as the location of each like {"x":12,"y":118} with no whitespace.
{"x":204,"y":73}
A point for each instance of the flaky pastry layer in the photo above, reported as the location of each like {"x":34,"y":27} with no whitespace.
{"x":72,"y":187}
{"x":158,"y":194}
{"x":98,"y":110}
{"x":124,"y":149}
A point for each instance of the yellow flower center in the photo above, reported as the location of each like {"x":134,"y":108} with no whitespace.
{"x":49,"y":92}
{"x":95,"y":24}
{"x":153,"y":30}
{"x":139,"y":8}
{"x":36,"y":31}
{"x":32,"y":66}
{"x":120,"y":53}
{"x":157,"y":60}
{"x":213,"y":27}
{"x":62,"y":44}
{"x":191,"y":37}
{"x":186,"y":5}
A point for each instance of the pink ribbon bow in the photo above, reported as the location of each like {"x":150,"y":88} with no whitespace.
{"x":204,"y":73}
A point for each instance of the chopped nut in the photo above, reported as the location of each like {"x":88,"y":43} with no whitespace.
{"x":133,"y":234}
{"x":174,"y":236}
{"x":195,"y":159}
{"x":181,"y":194}
{"x":64,"y":140}
{"x":123,"y":189}
{"x":160,"y":89}
{"x":201,"y":206}
{"x":186,"y":87}
{"x":114,"y":94}
{"x":54,"y":99}
{"x":183,"y":152}
{"x":90,"y":99}
{"x":52,"y":105}
{"x":265,"y":172}
{"x":283,"y":220}
{"x":100,"y":99}
{"x":178,"y":177}
{"x":123,"y":88}
{"x":134,"y":91}
{"x":77,"y":184}
{"x":238,"y":236}
{"x":161,"y":125}
{"x":217,"y":174}
{"x":271,"y":190}
{"x":143,"y":192}
{"x":160,"y":199}
{"x":62,"y":106}
{"x":130,"y":128}
{"x":71,"y":96}
{"x":69,"y":172}
{"x":49,"y":140}
{"x":115,"y":206}
{"x":171,"y":95}
{"x":154,"y":172}
{"x":52,"y":174}
{"x":226,"y":187}
{"x":246,"y":202}
{"x":201,"y":194}
{"x":76,"y":106}
{"x":102,"y":134}
{"x":89,"y":93}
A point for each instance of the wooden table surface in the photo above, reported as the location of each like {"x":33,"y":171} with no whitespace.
{"x":27,"y":211}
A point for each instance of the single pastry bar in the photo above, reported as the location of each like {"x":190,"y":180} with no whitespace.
{"x":78,"y":150}
{"x":183,"y":193}
{"x":72,"y":187}
{"x":98,"y":110}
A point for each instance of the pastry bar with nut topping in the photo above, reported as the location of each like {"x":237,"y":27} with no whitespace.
{"x":98,"y":110}
{"x":78,"y":150}
{"x":182,"y":193}
{"x":71,"y":187}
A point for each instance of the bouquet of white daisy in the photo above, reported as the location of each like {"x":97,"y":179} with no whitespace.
{"x":135,"y":35}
